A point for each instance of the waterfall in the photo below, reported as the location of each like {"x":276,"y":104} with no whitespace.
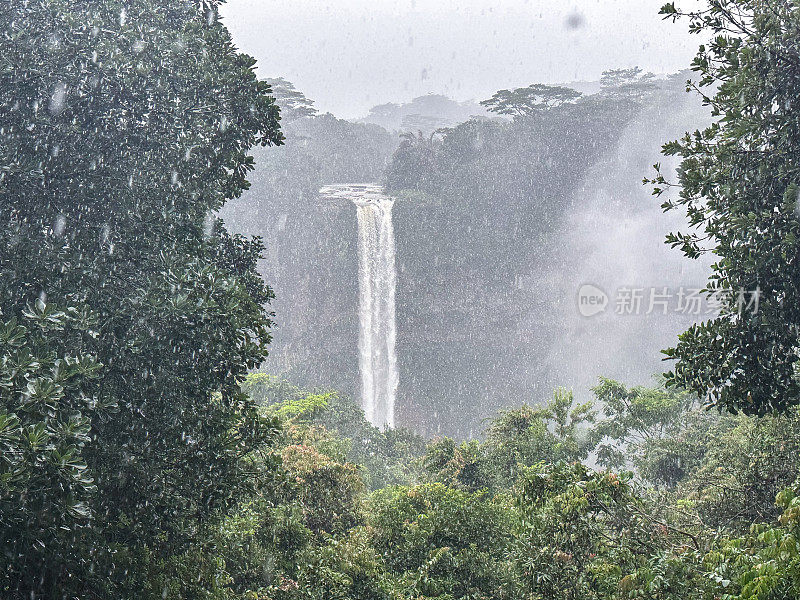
{"x":376,"y":311}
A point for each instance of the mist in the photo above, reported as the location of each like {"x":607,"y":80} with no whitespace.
{"x":499,"y":224}
{"x":377,"y":52}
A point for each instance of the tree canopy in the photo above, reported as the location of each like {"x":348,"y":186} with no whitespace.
{"x":293,"y":103}
{"x":527,"y":101}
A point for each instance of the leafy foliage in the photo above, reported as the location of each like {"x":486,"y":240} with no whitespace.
{"x":125,"y":125}
{"x":517,"y":438}
{"x":442,"y":541}
{"x":637,"y":421}
{"x":335,"y":425}
{"x":293,"y":103}
{"x":47,"y":402}
{"x":738,"y":185}
{"x":580,"y":532}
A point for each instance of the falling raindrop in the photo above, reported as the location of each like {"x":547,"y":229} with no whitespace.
{"x":208,"y":225}
{"x":58,"y":99}
{"x":59,"y":225}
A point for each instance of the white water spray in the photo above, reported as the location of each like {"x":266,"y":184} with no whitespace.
{"x":377,"y":282}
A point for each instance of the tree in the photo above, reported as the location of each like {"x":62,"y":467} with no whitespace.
{"x":424,"y":124}
{"x":414,"y":161}
{"x":335,"y":425}
{"x":327,"y":490}
{"x":637,"y":420}
{"x":443,"y":542}
{"x":738,"y":183}
{"x":294,"y":104}
{"x":531,"y":100}
{"x":457,"y":465}
{"x":580,"y":531}
{"x":384,"y":114}
{"x":125,"y":126}
{"x":749,"y":462}
{"x":631,"y":83}
{"x":528,"y":435}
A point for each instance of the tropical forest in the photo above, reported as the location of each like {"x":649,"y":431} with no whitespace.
{"x":399,"y":300}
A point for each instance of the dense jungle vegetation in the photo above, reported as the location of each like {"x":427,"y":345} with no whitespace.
{"x":143,"y":455}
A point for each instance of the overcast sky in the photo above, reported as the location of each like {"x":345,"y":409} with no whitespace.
{"x":349,"y":55}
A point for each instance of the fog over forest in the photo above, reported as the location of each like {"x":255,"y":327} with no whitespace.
{"x":414,"y":300}
{"x":379,"y":52}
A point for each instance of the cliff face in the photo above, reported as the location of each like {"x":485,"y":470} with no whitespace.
{"x":313,"y":268}
{"x":496,"y":226}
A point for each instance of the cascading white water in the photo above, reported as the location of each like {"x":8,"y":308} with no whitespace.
{"x":377,"y":282}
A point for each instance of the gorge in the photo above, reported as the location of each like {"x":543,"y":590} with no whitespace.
{"x":496,"y":224}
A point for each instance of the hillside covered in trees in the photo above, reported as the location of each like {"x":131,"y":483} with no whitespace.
{"x":489,"y":253}
{"x":150,"y":446}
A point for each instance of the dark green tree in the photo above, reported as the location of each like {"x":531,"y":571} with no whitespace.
{"x":635,"y":419}
{"x":443,"y":542}
{"x":293,"y":103}
{"x":47,"y":402}
{"x":417,"y":153}
{"x":738,"y":184}
{"x":125,"y":125}
{"x":527,"y":101}
{"x":521,"y":437}
{"x":579,"y":531}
